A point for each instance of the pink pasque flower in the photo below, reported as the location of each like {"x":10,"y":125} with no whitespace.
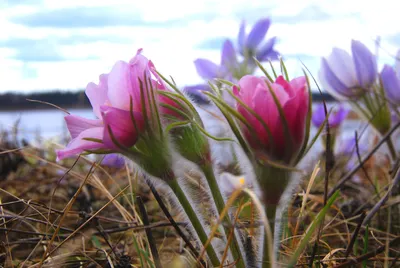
{"x":294,"y":99}
{"x":110,"y":100}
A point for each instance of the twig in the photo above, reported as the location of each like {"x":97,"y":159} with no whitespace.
{"x":149,"y":233}
{"x":355,"y":234}
{"x":383,"y":200}
{"x":362,"y":166}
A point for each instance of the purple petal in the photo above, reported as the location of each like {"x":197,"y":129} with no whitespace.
{"x":97,"y":94}
{"x":206,"y":69}
{"x":228,"y":56}
{"x":77,"y":124}
{"x":336,"y":118}
{"x":241,"y":37}
{"x":318,"y":116}
{"x":365,"y":63}
{"x":330,"y":81}
{"x":196,"y":94}
{"x":113,"y":160}
{"x":79,"y":144}
{"x":257,"y":34}
{"x":391,"y":84}
{"x":122,"y":126}
{"x":266,"y":51}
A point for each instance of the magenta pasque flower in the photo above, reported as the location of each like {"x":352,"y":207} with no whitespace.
{"x":293,"y":98}
{"x":111,"y":101}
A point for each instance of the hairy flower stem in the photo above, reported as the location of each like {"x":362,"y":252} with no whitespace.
{"x":220,"y":204}
{"x":191,"y":214}
{"x":270,"y":212}
{"x":273,"y":182}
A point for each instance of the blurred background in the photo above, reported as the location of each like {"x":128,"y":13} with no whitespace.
{"x":60,"y":46}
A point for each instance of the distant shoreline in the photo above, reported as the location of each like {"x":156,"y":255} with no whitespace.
{"x":71,"y":100}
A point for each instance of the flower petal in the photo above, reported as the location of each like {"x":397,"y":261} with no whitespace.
{"x":342,"y":65}
{"x":228,"y":56}
{"x":266,"y":52}
{"x":365,"y":63}
{"x":122,"y":127}
{"x":257,"y":34}
{"x":331,"y":83}
{"x":391,"y":84}
{"x":242,"y":37}
{"x":139,"y":74}
{"x":206,"y":69}
{"x":97,"y":94}
{"x":120,"y":85}
{"x":318,"y":116}
{"x":78,"y":144}
{"x":337,"y":118}
{"x":195,"y":93}
{"x":77,"y":124}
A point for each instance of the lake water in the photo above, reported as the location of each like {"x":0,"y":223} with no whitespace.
{"x":49,"y":123}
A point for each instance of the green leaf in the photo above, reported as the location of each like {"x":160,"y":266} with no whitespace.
{"x":284,"y":70}
{"x":263,"y":70}
{"x":308,"y":121}
{"x":273,"y":69}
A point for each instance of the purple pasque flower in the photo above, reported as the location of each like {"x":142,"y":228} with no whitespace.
{"x":391,"y":84}
{"x":250,"y":45}
{"x":113,"y":161}
{"x":210,"y":70}
{"x":346,"y":76}
{"x":195,"y":92}
{"x":336,"y":117}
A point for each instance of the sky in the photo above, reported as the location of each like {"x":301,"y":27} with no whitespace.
{"x":48,"y":44}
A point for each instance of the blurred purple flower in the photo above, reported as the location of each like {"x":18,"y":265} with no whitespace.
{"x":195,"y":93}
{"x":391,"y":84}
{"x":335,"y":117}
{"x":250,"y":45}
{"x":113,"y":160}
{"x":345,"y":76}
{"x":209,"y":70}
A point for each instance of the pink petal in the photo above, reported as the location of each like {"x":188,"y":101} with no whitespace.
{"x":120,"y":85}
{"x":139,"y":74}
{"x":78,"y":144}
{"x":77,"y":124}
{"x":122,"y":127}
{"x":97,"y":94}
{"x":248,"y":84}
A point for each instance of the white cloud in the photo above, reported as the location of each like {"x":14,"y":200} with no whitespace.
{"x":173,"y":47}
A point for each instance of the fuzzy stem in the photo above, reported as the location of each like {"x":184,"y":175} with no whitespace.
{"x":220,"y":204}
{"x":191,"y":214}
{"x":273,"y":182}
{"x":391,"y":147}
{"x":270,"y":212}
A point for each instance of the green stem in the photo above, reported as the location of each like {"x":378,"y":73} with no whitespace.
{"x":392,"y":149}
{"x":198,"y":227}
{"x":270,"y":212}
{"x":273,"y":182}
{"x":220,"y":204}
